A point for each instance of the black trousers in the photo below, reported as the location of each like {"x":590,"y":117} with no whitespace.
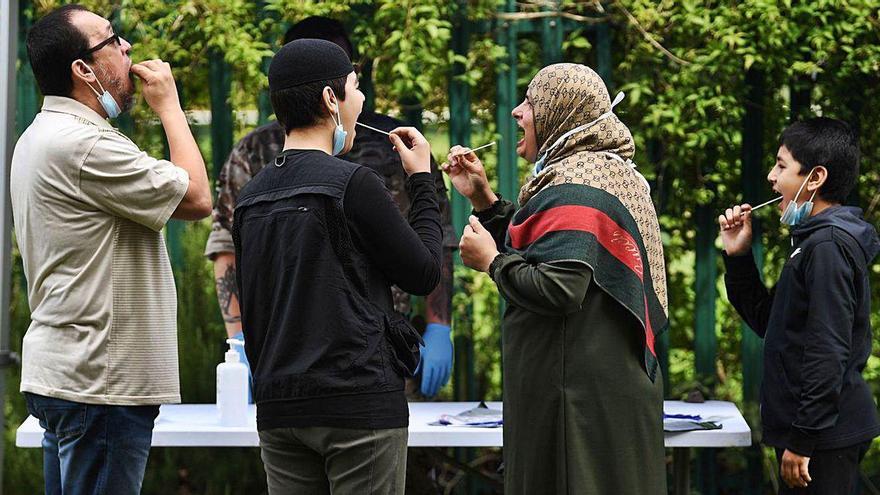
{"x":834,"y":472}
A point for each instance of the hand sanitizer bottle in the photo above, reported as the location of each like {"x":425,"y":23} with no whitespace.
{"x":232,"y":388}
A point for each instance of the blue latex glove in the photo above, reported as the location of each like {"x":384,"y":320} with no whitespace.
{"x":243,"y":358}
{"x":436,"y":364}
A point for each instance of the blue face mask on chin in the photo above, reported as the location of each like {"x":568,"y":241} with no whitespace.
{"x":108,"y":103}
{"x":339,"y":134}
{"x":794,"y":213}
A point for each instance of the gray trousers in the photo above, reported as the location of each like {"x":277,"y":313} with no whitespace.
{"x":339,"y":461}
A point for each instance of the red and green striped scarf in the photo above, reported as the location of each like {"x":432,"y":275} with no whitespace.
{"x":576,"y":222}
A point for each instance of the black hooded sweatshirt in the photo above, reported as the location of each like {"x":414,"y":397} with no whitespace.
{"x":817,"y":333}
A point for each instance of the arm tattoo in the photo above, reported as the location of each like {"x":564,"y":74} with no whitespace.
{"x":226,"y":291}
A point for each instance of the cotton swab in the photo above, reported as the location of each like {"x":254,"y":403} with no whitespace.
{"x":478,"y":148}
{"x":373,"y":128}
{"x":763,"y":204}
{"x":388,"y":134}
{"x":481,"y":147}
{"x":767,"y":203}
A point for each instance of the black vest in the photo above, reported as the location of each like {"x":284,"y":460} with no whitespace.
{"x":313,"y":310}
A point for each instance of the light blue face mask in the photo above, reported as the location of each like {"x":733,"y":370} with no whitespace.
{"x":794,"y":213}
{"x":108,"y":103}
{"x":339,"y":134}
{"x":539,"y":164}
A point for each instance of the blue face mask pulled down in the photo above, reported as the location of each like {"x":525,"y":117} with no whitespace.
{"x":794,"y":213}
{"x":539,"y":163}
{"x":108,"y":103}
{"x":339,"y":134}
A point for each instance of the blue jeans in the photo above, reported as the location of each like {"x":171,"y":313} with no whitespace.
{"x":93,"y":449}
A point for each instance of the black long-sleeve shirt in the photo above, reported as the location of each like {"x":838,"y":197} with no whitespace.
{"x":407,"y":253}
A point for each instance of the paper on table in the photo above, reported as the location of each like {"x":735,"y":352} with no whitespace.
{"x":678,"y":425}
{"x":687,"y":422}
{"x":481,"y":417}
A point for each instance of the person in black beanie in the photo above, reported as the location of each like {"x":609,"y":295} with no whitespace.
{"x":318,"y":244}
{"x":371,"y":149}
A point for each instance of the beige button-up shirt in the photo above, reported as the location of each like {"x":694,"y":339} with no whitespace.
{"x":89,"y":208}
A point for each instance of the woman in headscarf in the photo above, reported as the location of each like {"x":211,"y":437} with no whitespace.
{"x":581,"y":268}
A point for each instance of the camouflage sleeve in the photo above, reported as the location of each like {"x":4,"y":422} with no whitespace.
{"x":246,"y":159}
{"x":219,"y":241}
{"x":236,"y":172}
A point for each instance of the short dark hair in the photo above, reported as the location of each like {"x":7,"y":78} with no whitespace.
{"x":53,"y":43}
{"x":830,"y":143}
{"x":300,"y":106}
{"x":321,"y":28}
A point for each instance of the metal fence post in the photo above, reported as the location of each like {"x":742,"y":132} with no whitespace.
{"x":8,"y":56}
{"x":753,"y":190}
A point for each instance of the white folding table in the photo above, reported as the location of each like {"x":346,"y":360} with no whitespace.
{"x":198,"y":425}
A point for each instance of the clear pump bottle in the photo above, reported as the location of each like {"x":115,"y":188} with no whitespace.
{"x":232,"y":388}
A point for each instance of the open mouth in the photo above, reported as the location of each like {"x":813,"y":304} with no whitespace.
{"x":781,"y":204}
{"x":784,"y":203}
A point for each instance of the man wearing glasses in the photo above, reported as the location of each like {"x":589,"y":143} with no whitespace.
{"x":100,"y":354}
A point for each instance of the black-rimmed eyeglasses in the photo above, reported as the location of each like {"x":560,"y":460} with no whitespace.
{"x":111,"y":39}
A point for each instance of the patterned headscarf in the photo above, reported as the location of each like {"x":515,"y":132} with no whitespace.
{"x":563,"y":97}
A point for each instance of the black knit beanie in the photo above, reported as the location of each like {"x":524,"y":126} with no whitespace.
{"x":307,"y":60}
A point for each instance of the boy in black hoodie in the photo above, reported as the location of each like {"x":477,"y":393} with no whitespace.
{"x":816,"y":409}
